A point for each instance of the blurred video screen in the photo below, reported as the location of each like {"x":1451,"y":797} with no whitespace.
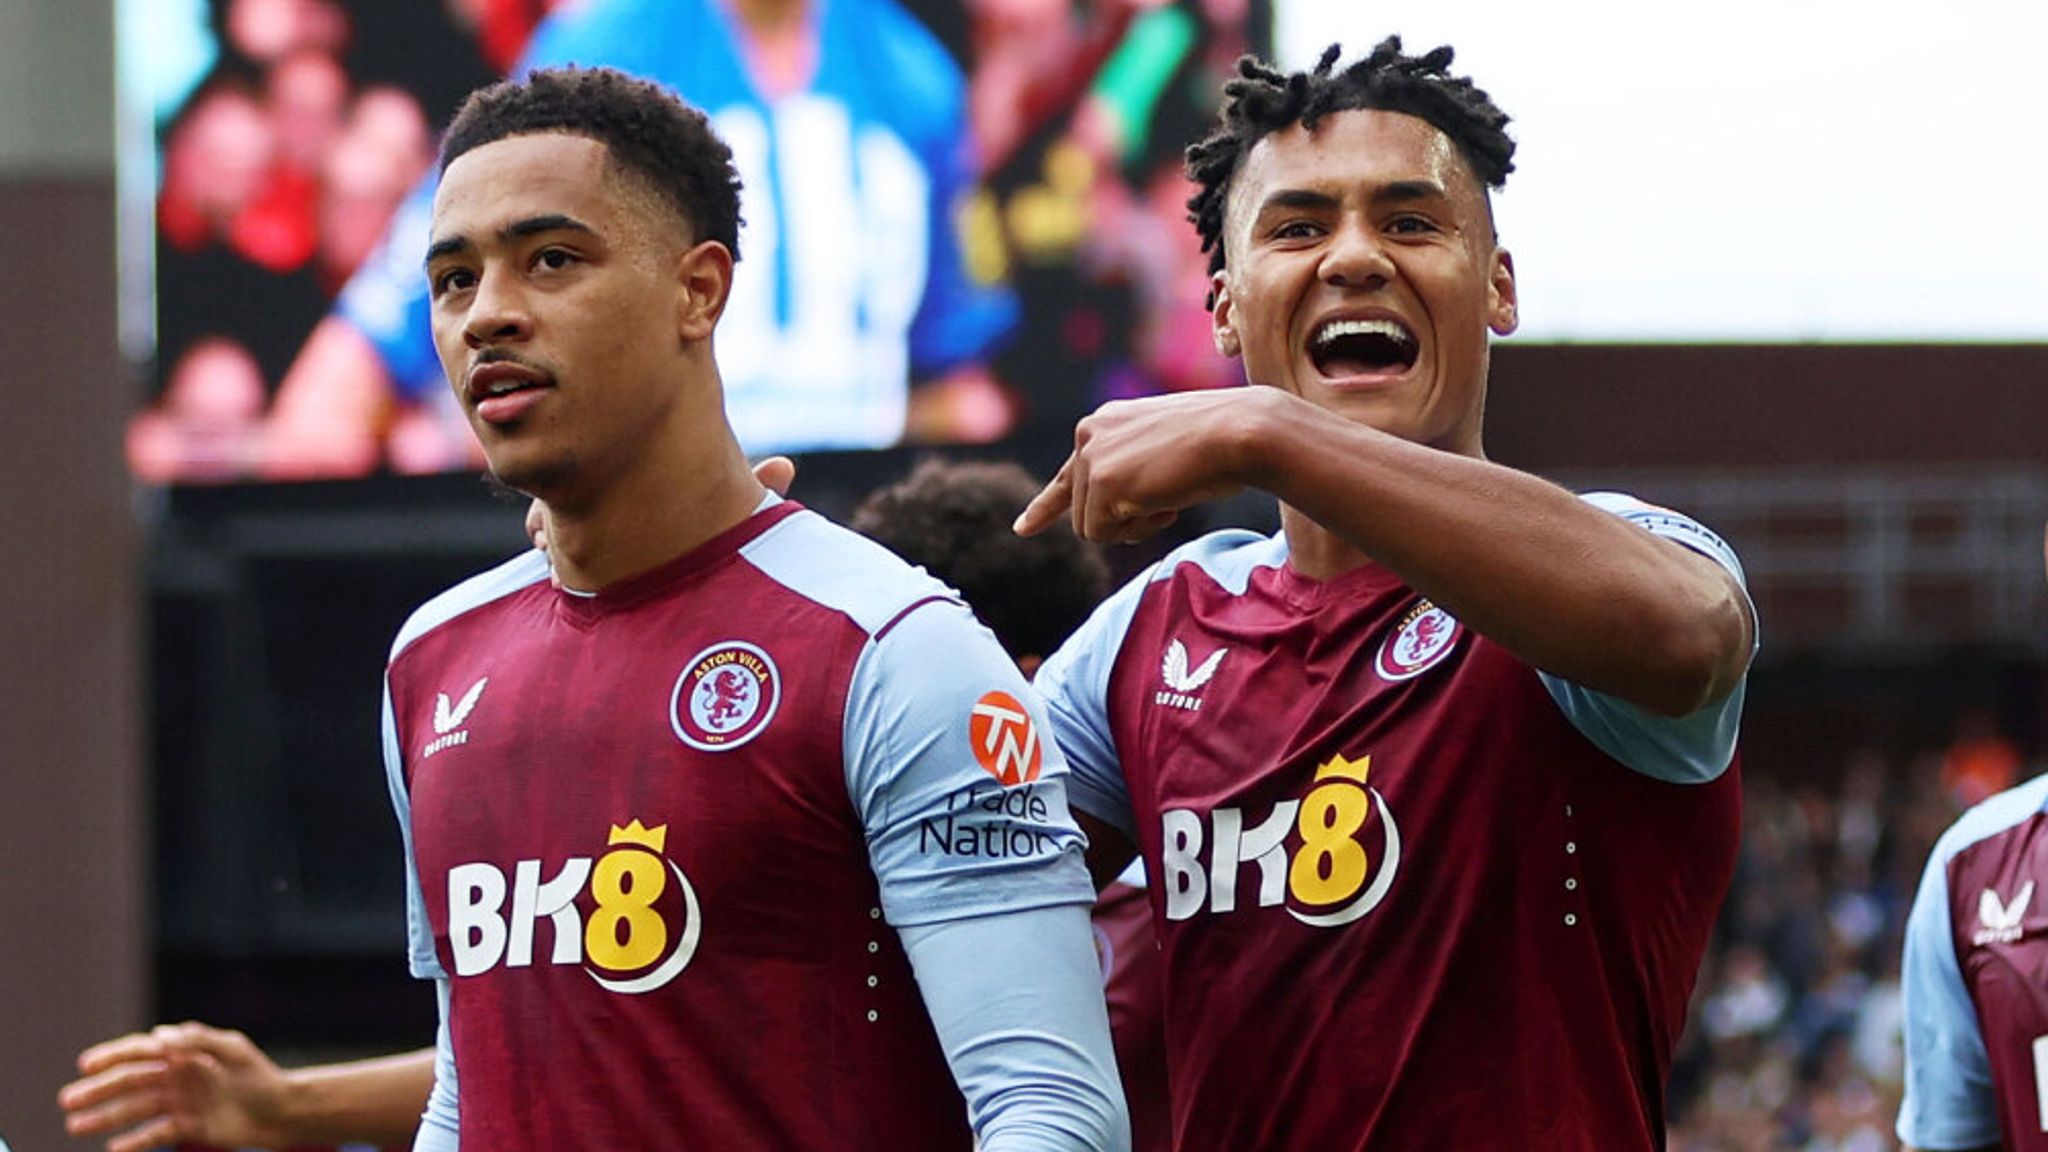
{"x":964,"y":219}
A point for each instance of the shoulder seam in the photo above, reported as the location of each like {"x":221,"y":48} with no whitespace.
{"x":484,"y":588}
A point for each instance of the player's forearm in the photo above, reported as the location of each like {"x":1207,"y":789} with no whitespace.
{"x":1032,"y":1057}
{"x":374,"y":1101}
{"x":1570,"y":588}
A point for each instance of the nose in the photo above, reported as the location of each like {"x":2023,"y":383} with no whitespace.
{"x":1356,"y":257}
{"x":497,"y":312}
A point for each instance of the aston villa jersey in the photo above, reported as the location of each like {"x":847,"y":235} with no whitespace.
{"x":1976,"y":982}
{"x":1410,"y":892}
{"x":661,"y":839}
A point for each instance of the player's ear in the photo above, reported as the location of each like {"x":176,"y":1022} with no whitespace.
{"x":1222,"y":316}
{"x":1503,"y":307}
{"x":703,"y":285}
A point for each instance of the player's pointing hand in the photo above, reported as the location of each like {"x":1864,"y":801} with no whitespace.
{"x":1137,"y":463}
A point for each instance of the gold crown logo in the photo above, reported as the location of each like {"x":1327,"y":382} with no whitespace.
{"x":1353,"y":770}
{"x":655,"y":838}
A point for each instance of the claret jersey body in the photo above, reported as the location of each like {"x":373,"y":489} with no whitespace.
{"x":660,"y":840}
{"x":1410,"y":892}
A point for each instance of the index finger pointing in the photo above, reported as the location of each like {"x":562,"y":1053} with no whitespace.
{"x":1049,"y":505}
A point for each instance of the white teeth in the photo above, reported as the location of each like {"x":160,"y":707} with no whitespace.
{"x":1337,"y":329}
{"x":504,"y":386}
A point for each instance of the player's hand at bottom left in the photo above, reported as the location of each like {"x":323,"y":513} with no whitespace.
{"x":177,"y":1082}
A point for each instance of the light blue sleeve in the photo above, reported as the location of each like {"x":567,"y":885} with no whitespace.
{"x":934,"y":711}
{"x":1691,"y":749}
{"x":419,"y":932}
{"x":1075,"y":683}
{"x":441,"y":1124}
{"x":1033,"y":1057}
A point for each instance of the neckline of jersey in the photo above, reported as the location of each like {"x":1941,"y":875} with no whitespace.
{"x":1307,"y":592}
{"x":588,"y":608}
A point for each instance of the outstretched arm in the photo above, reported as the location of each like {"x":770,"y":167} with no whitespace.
{"x":191,"y":1082}
{"x":1027,"y":1039}
{"x":1571,"y":589}
{"x":1032,"y":1056}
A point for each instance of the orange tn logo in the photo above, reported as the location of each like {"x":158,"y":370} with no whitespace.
{"x":1005,"y":741}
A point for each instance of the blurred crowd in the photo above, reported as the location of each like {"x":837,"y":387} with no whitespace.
{"x":312,"y":120}
{"x":1794,"y":1041}
{"x":276,"y":176}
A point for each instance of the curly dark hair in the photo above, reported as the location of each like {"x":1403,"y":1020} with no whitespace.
{"x":651,"y":134}
{"x":1263,"y":100}
{"x":954,"y":519}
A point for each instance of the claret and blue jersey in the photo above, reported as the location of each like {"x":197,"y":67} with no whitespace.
{"x":662,"y":841}
{"x":1975,"y":982}
{"x":1411,"y":893}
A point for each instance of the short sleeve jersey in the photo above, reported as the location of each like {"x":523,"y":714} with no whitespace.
{"x":853,"y":278}
{"x":1410,"y":892}
{"x":1976,"y":982}
{"x":659,"y":840}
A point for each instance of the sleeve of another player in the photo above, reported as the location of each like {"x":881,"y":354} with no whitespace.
{"x":1690,"y":749}
{"x":1032,"y":1055}
{"x":963,"y":798}
{"x":1948,"y":1100}
{"x":1075,"y":684}
{"x":441,"y":1124}
{"x":419,"y":934}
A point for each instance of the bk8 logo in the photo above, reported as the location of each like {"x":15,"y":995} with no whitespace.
{"x":628,"y":943}
{"x":1328,"y":878}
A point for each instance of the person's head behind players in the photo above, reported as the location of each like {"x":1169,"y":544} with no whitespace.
{"x":1347,"y":218}
{"x":954,"y":519}
{"x":583,"y":240}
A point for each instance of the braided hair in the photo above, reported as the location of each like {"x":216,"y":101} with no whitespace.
{"x":1262,"y":100}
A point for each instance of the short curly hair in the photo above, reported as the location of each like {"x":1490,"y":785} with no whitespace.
{"x":650,"y":133}
{"x":1263,"y":100}
{"x":953,"y":518}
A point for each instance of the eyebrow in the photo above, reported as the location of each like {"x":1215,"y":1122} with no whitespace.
{"x":532,"y":225}
{"x":1406,"y":191}
{"x":1398,"y":192}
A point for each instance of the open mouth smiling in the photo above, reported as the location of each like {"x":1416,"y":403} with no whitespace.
{"x":1357,"y":347}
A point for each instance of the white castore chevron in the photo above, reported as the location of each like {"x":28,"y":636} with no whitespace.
{"x":1174,"y":668}
{"x":448,"y":719}
{"x":2000,"y":917}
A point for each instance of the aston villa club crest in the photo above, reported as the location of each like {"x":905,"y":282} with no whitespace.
{"x":726,"y":695}
{"x":1424,"y":637}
